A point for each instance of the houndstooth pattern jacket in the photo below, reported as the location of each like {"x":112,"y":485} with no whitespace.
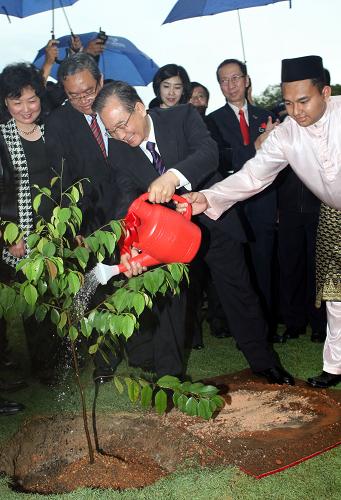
{"x":22,"y":178}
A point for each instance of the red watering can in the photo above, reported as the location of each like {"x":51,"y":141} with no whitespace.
{"x":162,"y":235}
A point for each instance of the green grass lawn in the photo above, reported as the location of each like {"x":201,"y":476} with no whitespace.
{"x":316,"y":479}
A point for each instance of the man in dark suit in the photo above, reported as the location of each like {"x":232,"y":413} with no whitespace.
{"x":238,"y":128}
{"x":78,"y":146}
{"x":188,"y":158}
{"x":80,"y":143}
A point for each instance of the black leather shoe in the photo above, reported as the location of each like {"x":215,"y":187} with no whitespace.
{"x":277,"y":375}
{"x":10,"y":407}
{"x":13,"y":386}
{"x":293,"y":332}
{"x":318,"y":336}
{"x":198,"y":347}
{"x":324,"y":380}
{"x":103,"y":375}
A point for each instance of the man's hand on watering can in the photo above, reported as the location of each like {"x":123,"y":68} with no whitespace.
{"x":133,"y":268}
{"x":162,"y":189}
{"x":197,"y":200}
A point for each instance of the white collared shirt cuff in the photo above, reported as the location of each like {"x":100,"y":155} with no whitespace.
{"x":182,"y":179}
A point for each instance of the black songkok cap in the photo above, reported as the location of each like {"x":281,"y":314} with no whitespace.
{"x":302,"y":68}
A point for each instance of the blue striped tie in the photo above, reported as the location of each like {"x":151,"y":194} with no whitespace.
{"x":157,"y":161}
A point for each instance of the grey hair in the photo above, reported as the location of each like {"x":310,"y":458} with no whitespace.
{"x":126,"y":94}
{"x":77,"y":63}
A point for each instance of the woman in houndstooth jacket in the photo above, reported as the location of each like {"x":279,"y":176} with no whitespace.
{"x":22,"y":90}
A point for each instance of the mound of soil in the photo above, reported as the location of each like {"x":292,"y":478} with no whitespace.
{"x":260,"y":428}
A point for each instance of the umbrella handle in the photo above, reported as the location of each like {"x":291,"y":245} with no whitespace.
{"x":58,"y":61}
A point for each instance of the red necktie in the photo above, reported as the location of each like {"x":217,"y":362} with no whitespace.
{"x":244,"y":128}
{"x":98,"y":134}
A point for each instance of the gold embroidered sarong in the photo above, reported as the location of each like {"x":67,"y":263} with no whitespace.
{"x":328,"y":255}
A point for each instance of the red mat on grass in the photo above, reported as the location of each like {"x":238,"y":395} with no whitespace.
{"x":266,"y":428}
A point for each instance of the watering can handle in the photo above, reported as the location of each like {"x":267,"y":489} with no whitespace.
{"x":187,"y":214}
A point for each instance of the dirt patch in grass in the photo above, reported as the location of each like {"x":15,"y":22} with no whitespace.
{"x":262,"y":427}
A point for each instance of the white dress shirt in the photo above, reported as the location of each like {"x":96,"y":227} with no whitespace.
{"x":314,"y":153}
{"x":235,"y":109}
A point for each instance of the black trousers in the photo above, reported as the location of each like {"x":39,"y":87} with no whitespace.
{"x":159,"y":343}
{"x":296,"y":253}
{"x":225,"y":259}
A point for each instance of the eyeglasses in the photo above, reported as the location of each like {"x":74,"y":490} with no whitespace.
{"x":232,"y":80}
{"x":87,"y":96}
{"x":120,"y":126}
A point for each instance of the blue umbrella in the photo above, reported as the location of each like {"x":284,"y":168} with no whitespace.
{"x":120,"y":59}
{"x":184,"y":9}
{"x":25,"y":8}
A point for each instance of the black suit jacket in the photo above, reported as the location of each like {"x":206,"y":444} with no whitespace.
{"x":225,"y":130}
{"x":185,"y":144}
{"x":69,"y":136}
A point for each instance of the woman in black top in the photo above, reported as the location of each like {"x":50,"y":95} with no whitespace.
{"x":21,"y":91}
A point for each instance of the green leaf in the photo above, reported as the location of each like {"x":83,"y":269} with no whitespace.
{"x":11,"y":233}
{"x":120,"y":299}
{"x":204,"y":409}
{"x":133,"y":391}
{"x":34,"y":269}
{"x":116,"y":227}
{"x":82,"y":254}
{"x":175,"y":397}
{"x":196,"y":387}
{"x":73,"y":333}
{"x":64,"y":214}
{"x":93,"y":349}
{"x":92,"y":242}
{"x":53,"y":181}
{"x":75,"y":194}
{"x":161,"y":401}
{"x":36,"y":202}
{"x":40,"y":313}
{"x":169,"y":382}
{"x":115,"y":324}
{"x":176,"y":271}
{"x":46,"y":191}
{"x":86,"y":327}
{"x":63,"y":320}
{"x":55,"y":316}
{"x":219,"y":401}
{"x":118,"y":385}
{"x":138,"y":303}
{"x":181,"y":403}
{"x":30,"y":294}
{"x":207,"y":390}
{"x":61,"y":228}
{"x":152,"y":280}
{"x":128,"y":325}
{"x":191,"y":407}
{"x":73,"y":282}
{"x":49,"y":249}
{"x":32,"y":239}
{"x":146,"y":396}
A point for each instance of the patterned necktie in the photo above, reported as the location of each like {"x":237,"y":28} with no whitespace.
{"x":157,"y":161}
{"x":98,"y":134}
{"x":244,"y":128}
